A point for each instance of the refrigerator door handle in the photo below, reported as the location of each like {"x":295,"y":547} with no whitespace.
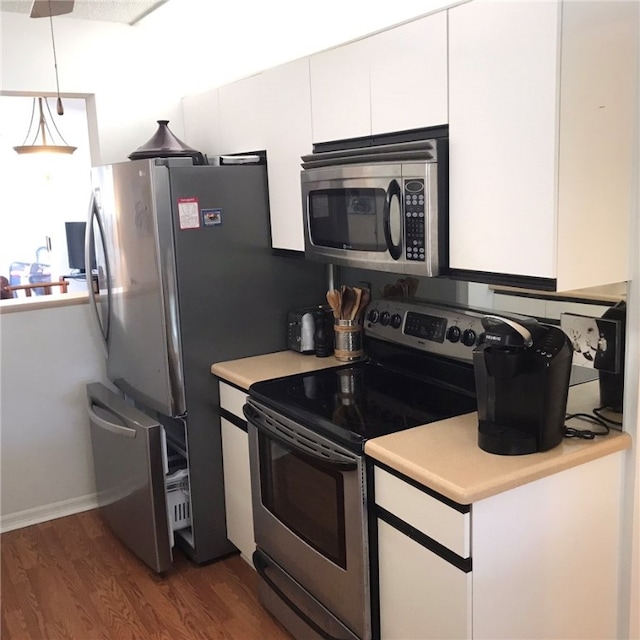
{"x":110,"y":426}
{"x":94,"y":214}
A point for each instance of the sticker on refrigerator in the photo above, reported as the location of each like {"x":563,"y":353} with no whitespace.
{"x":211,"y":217}
{"x":188,"y":213}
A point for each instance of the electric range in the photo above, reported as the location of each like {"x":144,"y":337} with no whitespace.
{"x":418,"y":370}
{"x":306,"y":446}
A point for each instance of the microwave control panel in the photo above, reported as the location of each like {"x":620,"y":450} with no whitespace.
{"x":414,"y":220}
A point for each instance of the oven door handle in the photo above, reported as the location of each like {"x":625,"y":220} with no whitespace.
{"x":334,"y":459}
{"x":261,"y":567}
{"x":394,"y":191}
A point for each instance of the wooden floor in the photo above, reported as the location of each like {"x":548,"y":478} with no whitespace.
{"x":71,"y":578}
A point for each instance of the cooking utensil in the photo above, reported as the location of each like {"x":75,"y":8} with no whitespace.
{"x":365,"y":298}
{"x":348,"y":302}
{"x":357,"y":296}
{"x":334,"y":300}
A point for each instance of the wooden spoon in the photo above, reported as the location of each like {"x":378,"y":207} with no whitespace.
{"x":333,"y":298}
{"x":357,"y":296}
{"x":348,"y":300}
{"x":364,"y":302}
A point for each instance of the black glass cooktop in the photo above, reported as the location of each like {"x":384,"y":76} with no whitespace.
{"x":363,"y":400}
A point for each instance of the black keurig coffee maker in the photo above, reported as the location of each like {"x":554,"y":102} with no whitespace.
{"x":522,"y":371}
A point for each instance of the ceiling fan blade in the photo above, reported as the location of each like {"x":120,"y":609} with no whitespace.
{"x":40,"y":8}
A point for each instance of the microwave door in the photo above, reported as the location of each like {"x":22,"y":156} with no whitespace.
{"x":392,"y":220}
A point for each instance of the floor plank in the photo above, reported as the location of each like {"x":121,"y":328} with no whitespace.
{"x":72,"y":579}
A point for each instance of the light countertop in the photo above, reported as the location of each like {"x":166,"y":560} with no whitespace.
{"x":245,"y":371}
{"x":445,"y":455}
{"x":33,"y":303}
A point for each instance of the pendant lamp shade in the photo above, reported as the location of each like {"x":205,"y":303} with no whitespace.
{"x":40,"y":126}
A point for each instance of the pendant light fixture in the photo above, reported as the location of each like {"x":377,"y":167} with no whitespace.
{"x":40,"y":9}
{"x":39,"y":125}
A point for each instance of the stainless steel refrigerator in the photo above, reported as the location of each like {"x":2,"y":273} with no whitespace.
{"x":185,"y":277}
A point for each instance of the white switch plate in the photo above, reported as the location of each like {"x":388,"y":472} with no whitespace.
{"x":595,"y":341}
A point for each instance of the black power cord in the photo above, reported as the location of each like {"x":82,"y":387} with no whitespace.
{"x":596,"y":418}
{"x":598,"y":413}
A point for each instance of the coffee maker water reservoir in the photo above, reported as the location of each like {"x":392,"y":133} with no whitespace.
{"x":522,"y":370}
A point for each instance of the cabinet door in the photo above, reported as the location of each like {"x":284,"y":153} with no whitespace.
{"x":237,"y":488}
{"x":503,"y":102}
{"x":408,"y":71}
{"x":340,"y":99}
{"x":202,"y":122}
{"x":421,"y":594}
{"x":242,"y":126}
{"x":287,"y":117}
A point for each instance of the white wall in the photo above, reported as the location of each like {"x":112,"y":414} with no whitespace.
{"x":48,"y":355}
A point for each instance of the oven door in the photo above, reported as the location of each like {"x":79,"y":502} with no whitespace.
{"x":309,"y":513}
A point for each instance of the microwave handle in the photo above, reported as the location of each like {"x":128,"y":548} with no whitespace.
{"x":394,"y":191}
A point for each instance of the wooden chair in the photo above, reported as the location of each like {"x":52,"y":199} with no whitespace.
{"x":4,"y":291}
{"x":47,"y":286}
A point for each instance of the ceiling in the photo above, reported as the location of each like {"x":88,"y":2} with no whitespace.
{"x":124,"y":11}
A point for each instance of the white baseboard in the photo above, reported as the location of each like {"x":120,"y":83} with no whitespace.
{"x":47,"y":512}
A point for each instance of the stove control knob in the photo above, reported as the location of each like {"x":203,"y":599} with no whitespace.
{"x":373,"y":315}
{"x":469,"y":337}
{"x":385,"y":317}
{"x":453,"y":333}
{"x":396,"y":321}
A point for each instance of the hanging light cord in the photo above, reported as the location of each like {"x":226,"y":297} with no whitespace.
{"x":59,"y":108}
{"x":33,"y":113}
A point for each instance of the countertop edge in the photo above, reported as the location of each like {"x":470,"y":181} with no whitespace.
{"x":226,"y":376}
{"x":34,"y":303}
{"x":502,"y":483}
{"x":243,"y":372}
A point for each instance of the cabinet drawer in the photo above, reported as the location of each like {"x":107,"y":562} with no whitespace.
{"x":435,"y":519}
{"x":232,"y":399}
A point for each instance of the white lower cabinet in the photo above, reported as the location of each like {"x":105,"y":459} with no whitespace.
{"x":542,"y":560}
{"x":421,"y":594}
{"x":424,"y":565}
{"x":237,"y":478}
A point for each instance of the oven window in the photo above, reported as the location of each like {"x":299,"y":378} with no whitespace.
{"x":306,"y":496}
{"x":347,"y":219}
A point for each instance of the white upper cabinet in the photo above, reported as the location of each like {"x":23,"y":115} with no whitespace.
{"x":272,"y":111}
{"x":242,"y":122}
{"x":340,"y":99}
{"x":408,"y":75}
{"x":201,"y":114}
{"x":391,"y":81}
{"x":287,"y":112}
{"x":542,"y":97}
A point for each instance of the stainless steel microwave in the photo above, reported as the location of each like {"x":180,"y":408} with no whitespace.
{"x":383,"y":208}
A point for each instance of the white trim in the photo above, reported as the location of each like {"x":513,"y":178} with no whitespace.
{"x":47,"y":512}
